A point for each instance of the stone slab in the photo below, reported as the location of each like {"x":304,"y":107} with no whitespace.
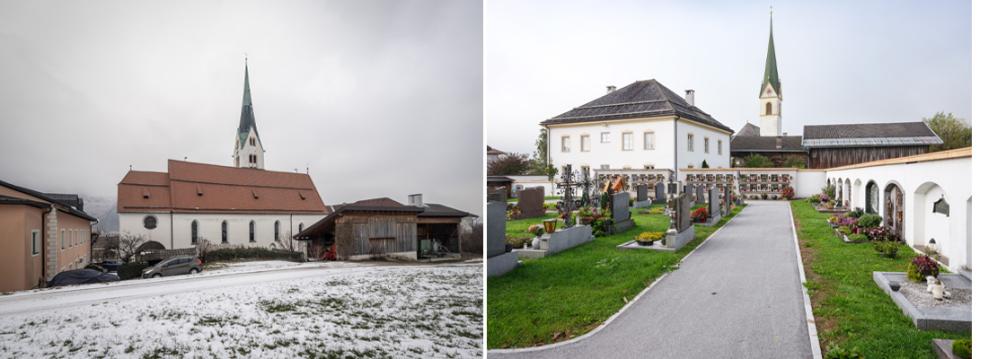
{"x":711,"y":221}
{"x":675,"y":240}
{"x":495,"y":228}
{"x":568,"y":238}
{"x":951,"y":319}
{"x":623,"y":226}
{"x":657,"y":246}
{"x":944,"y":349}
{"x":530,"y":253}
{"x":501,"y":264}
{"x":642,"y":204}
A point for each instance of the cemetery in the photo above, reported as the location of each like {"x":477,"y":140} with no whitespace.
{"x":566,"y":286}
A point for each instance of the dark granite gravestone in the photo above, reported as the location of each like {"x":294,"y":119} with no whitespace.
{"x":714,"y":206}
{"x":531,"y":203}
{"x":499,"y":260}
{"x":672,"y":189}
{"x":642,"y":196}
{"x":700,"y":195}
{"x":620,"y":212}
{"x":679,"y":231}
{"x":659,"y":195}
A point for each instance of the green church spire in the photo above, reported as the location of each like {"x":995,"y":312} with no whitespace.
{"x":247,"y":123}
{"x":771,"y":72}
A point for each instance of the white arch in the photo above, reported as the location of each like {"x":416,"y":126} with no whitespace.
{"x":926,"y":224}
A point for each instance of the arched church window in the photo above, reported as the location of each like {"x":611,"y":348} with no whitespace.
{"x":252,"y":141}
{"x":300,"y":228}
{"x":251,"y":231}
{"x":223,"y":232}
{"x":275,"y":231}
{"x":195,"y":231}
{"x":768,"y":108}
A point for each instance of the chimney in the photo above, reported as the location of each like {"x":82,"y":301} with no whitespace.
{"x":611,"y":89}
{"x":778,"y":143}
{"x":690,"y":97}
{"x":416,"y":200}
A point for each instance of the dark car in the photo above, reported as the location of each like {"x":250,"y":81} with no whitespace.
{"x":174,"y":266}
{"x":81,"y":276}
{"x":111,"y":265}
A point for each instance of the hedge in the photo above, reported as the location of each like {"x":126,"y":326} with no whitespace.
{"x":131,"y":270}
{"x":227,"y":254}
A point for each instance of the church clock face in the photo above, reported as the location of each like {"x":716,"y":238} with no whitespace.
{"x":149,"y":222}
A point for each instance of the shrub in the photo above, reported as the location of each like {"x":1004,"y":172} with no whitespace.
{"x":602,"y":228}
{"x":700,"y":215}
{"x":922,"y":267}
{"x":855,"y":213}
{"x":131,"y":270}
{"x":815,"y":199}
{"x":880,"y":234}
{"x":887,"y":249}
{"x":518,"y":242}
{"x":868,"y":220}
{"x":787,"y":193}
{"x":829,"y":191}
{"x":656,"y":210}
{"x":536,"y":229}
{"x":962,"y":348}
{"x":233,"y":253}
{"x":650,"y":236}
{"x":857,"y":237}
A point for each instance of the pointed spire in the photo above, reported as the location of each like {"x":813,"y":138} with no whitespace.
{"x":771,"y":72}
{"x":247,"y":123}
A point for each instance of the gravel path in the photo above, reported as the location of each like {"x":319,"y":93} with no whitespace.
{"x":737,"y":296}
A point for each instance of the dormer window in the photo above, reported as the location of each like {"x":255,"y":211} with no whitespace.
{"x":146,"y":194}
{"x":251,"y":141}
{"x":254,"y":194}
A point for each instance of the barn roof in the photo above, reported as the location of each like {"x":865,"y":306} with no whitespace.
{"x":58,"y":201}
{"x":870,"y":135}
{"x":766,"y":144}
{"x":640,"y":99}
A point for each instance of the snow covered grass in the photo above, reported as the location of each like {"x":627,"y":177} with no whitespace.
{"x":234,"y":267}
{"x":396,"y":311}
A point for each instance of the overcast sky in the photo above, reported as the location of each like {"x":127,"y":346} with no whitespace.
{"x":379,"y":98}
{"x":839,"y":61}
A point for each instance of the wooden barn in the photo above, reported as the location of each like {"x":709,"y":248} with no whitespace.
{"x":831,"y":146}
{"x":385,"y":228}
{"x":781,"y":150}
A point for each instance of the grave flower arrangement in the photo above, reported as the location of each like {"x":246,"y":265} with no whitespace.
{"x":787,"y":193}
{"x":868,"y":221}
{"x":700,"y":215}
{"x":887,"y":249}
{"x":647,"y":238}
{"x":922,"y":267}
{"x":536,"y":229}
{"x":881,"y":234}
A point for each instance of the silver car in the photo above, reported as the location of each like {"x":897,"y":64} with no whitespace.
{"x":174,"y":266}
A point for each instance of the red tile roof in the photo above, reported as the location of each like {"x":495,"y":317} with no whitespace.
{"x":199,"y":187}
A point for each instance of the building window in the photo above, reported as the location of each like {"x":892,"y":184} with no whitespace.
{"x":300,"y":228}
{"x":649,"y":167}
{"x":62,"y":239}
{"x":719,"y":147}
{"x":648,"y":140}
{"x":195,"y":232}
{"x":626,"y":141}
{"x":706,"y":144}
{"x":605,"y":137}
{"x":223,"y":232}
{"x":149,"y":222}
{"x":275,"y":231}
{"x":251,"y":231}
{"x":252,"y":141}
{"x":565,"y":143}
{"x":35,"y":242}
{"x":584,"y":143}
{"x":768,"y":108}
{"x":691,"y":143}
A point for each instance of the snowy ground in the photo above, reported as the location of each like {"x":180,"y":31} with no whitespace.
{"x":375,"y":311}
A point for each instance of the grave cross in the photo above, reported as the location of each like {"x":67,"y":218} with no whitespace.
{"x":567,"y":186}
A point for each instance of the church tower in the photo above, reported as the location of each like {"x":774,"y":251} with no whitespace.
{"x":771,"y":92}
{"x":248,"y":151}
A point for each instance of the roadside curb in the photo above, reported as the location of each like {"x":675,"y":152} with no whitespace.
{"x":815,"y":343}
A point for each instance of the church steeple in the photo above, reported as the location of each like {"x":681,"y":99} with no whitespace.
{"x":770,"y":95}
{"x":248,"y":150}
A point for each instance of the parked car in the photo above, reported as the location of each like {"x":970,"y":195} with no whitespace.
{"x":111,"y":265}
{"x":174,"y":266}
{"x":81,"y":276}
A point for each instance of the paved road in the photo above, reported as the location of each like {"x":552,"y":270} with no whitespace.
{"x":737,"y":296}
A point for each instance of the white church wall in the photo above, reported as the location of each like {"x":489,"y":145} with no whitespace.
{"x":252,"y":146}
{"x":808,"y":183}
{"x":179,"y":225}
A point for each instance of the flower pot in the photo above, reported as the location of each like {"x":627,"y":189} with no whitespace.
{"x":644,"y":243}
{"x":550,"y":226}
{"x":895,"y":286}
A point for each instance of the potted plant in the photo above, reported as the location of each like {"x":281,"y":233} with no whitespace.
{"x":922,"y":267}
{"x":549,"y":225}
{"x":647,"y":238}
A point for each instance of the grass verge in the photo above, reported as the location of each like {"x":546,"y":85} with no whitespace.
{"x":851,"y":312}
{"x":566,"y":295}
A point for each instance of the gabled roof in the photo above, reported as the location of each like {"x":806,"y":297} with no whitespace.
{"x":640,"y":99}
{"x":749,"y":130}
{"x":247,"y":123}
{"x":493,"y":151}
{"x":439,"y":210}
{"x":57,"y":202}
{"x":200,"y":187}
{"x":766,"y":144}
{"x":382,"y":204}
{"x":870,"y":134}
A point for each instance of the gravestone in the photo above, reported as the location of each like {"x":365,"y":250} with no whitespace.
{"x":659,"y":195}
{"x":499,"y":260}
{"x":672,"y":188}
{"x":620,"y":212}
{"x":700,"y":195}
{"x":642,"y":196}
{"x":728,"y":200}
{"x":531,"y":202}
{"x":714,"y":206}
{"x":679,"y":231}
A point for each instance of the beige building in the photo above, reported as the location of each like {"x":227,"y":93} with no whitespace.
{"x":41,"y":234}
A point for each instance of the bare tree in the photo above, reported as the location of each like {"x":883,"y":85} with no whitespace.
{"x":203,"y":246}
{"x":128,"y":244}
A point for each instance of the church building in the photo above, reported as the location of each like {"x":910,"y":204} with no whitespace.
{"x":643,"y":131}
{"x":243,"y":205}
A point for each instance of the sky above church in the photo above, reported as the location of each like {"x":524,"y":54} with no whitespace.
{"x":838,"y":61}
{"x":377,"y":98}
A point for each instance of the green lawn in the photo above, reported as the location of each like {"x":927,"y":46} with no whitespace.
{"x":566,"y":295}
{"x":850,"y":310}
